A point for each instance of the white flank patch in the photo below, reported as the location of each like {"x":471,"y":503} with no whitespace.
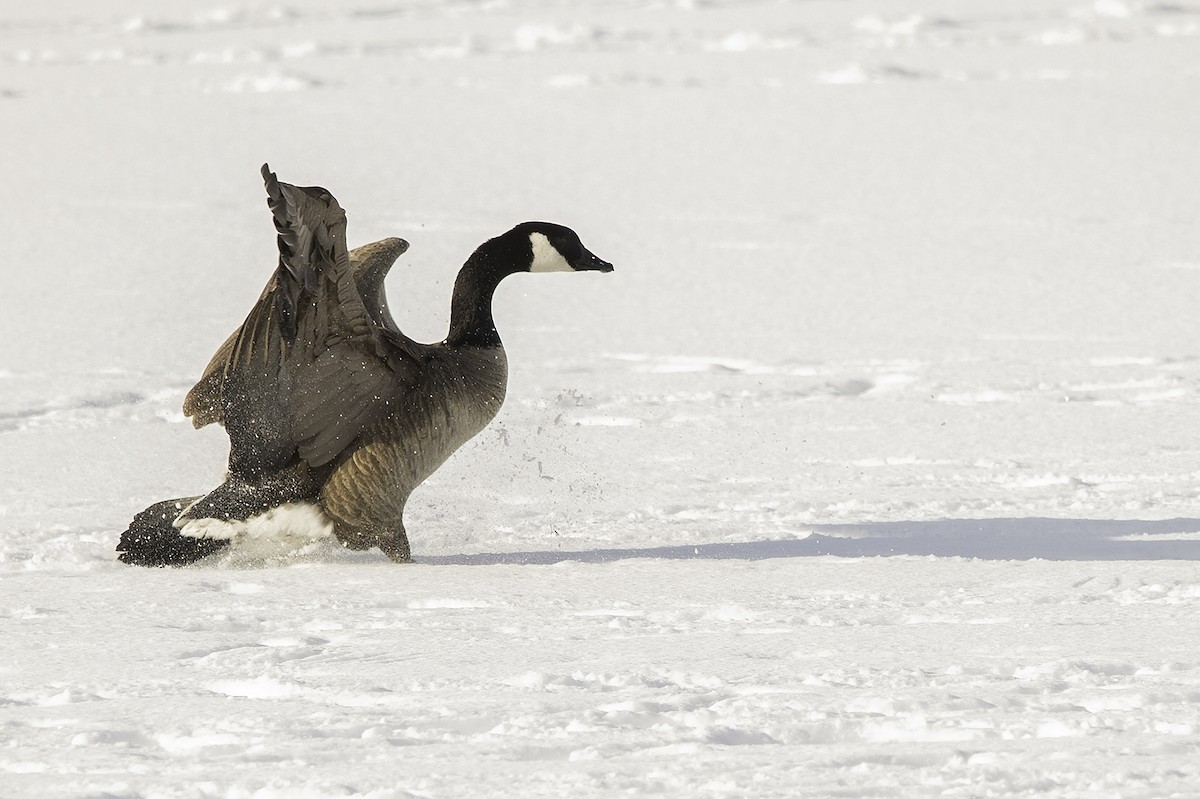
{"x":546,"y":257}
{"x":301,"y":521}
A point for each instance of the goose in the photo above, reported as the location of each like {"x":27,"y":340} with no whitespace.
{"x":333,"y":415}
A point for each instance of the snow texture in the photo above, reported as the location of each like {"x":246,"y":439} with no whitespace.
{"x":872,"y":470}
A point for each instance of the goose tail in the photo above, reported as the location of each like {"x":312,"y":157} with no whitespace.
{"x":153,"y":540}
{"x":176,"y":532}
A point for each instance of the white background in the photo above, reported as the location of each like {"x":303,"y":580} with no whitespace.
{"x":873,"y":469}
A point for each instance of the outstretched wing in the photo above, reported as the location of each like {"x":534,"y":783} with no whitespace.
{"x":310,"y":367}
{"x":369,"y":263}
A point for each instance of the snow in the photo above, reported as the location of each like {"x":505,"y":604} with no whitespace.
{"x":869,"y":471}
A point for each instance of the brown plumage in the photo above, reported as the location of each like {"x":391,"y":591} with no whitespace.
{"x":326,"y":402}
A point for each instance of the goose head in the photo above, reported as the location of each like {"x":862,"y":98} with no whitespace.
{"x":555,"y":248}
{"x":540,"y":247}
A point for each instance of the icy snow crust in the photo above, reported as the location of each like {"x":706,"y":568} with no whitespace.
{"x":872,"y":470}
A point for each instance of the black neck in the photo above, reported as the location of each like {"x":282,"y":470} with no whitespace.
{"x":471,"y":320}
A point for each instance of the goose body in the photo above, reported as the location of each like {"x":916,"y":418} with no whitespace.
{"x":334,"y":416}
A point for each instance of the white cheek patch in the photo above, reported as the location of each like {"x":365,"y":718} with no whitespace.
{"x":546,"y":258}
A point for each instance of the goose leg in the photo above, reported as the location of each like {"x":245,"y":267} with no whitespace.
{"x":393,"y":542}
{"x":367,"y":512}
{"x":395,"y":545}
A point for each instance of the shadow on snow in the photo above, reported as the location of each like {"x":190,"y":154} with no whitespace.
{"x":987,"y":539}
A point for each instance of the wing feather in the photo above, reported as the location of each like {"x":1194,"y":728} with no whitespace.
{"x":314,"y":363}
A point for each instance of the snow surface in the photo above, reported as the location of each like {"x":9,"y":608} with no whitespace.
{"x":871,"y":471}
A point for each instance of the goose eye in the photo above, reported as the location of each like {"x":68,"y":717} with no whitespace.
{"x":569,"y":247}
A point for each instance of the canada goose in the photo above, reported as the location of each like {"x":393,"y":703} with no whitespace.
{"x":333,"y":414}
